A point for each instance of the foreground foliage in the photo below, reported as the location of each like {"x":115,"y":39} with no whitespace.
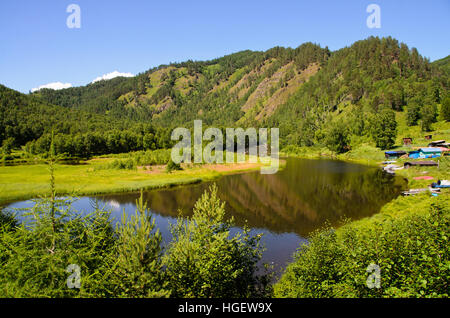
{"x":40,"y":255}
{"x":411,"y":250}
{"x":203,"y":262}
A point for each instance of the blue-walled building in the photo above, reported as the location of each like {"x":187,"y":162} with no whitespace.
{"x":430,"y":152}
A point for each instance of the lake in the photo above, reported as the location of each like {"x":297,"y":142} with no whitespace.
{"x":286,"y":207}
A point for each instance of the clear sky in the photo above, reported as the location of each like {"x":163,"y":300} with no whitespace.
{"x":132,"y":36}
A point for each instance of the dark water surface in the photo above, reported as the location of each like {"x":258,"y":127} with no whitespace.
{"x":285,"y":207}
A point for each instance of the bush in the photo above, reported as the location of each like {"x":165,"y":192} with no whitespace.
{"x":412,"y":252}
{"x":35,"y":255}
{"x":7,"y":220}
{"x":203,"y":261}
{"x":138,"y":268}
{"x":337,"y":138}
{"x":156,"y":157}
{"x":118,"y":164}
{"x":147,"y":158}
{"x":122,"y":263}
{"x":172,"y":166}
{"x":7,"y":146}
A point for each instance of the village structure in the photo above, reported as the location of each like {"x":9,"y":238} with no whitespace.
{"x":416,"y":156}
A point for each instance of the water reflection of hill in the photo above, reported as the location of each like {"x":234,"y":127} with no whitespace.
{"x":298,"y":199}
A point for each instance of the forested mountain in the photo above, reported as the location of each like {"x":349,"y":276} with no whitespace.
{"x":243,"y":86}
{"x":359,"y":88}
{"x":29,"y":120}
{"x":313,"y":95}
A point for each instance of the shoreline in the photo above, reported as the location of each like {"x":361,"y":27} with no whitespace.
{"x":80,"y":180}
{"x":399,"y":203}
{"x":125,"y":180}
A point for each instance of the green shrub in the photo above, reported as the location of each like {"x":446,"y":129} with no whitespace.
{"x":7,"y":146}
{"x":118,"y":164}
{"x":34,"y":257}
{"x":7,"y":220}
{"x":337,"y":138}
{"x":7,"y":158}
{"x":428,"y":115}
{"x":128,"y":261}
{"x":172,"y":166}
{"x":147,"y":158}
{"x":203,"y":261}
{"x":411,"y":250}
{"x":137,"y":270}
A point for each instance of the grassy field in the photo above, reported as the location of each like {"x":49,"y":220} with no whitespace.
{"x":28,"y":181}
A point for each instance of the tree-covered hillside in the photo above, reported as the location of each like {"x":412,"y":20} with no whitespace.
{"x":29,"y":121}
{"x":357,"y":92}
{"x":313,"y":95}
{"x":241,"y":85}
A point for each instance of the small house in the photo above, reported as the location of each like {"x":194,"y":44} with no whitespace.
{"x":431,"y":152}
{"x":436,"y":143}
{"x":394,"y":154}
{"x":407,"y":141}
{"x":420,"y":163}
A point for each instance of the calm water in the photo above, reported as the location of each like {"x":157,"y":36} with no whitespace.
{"x":285,"y":207}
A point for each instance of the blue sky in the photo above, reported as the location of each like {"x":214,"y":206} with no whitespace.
{"x":132,"y":36}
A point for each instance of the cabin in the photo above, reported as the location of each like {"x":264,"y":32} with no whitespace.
{"x":394,"y":154}
{"x":407,"y":141}
{"x":419,"y":163}
{"x":428,"y":137}
{"x":436,"y":143}
{"x":415,"y":154}
{"x":431,"y":152}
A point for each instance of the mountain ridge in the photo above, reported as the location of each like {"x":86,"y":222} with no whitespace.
{"x":306,"y":92}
